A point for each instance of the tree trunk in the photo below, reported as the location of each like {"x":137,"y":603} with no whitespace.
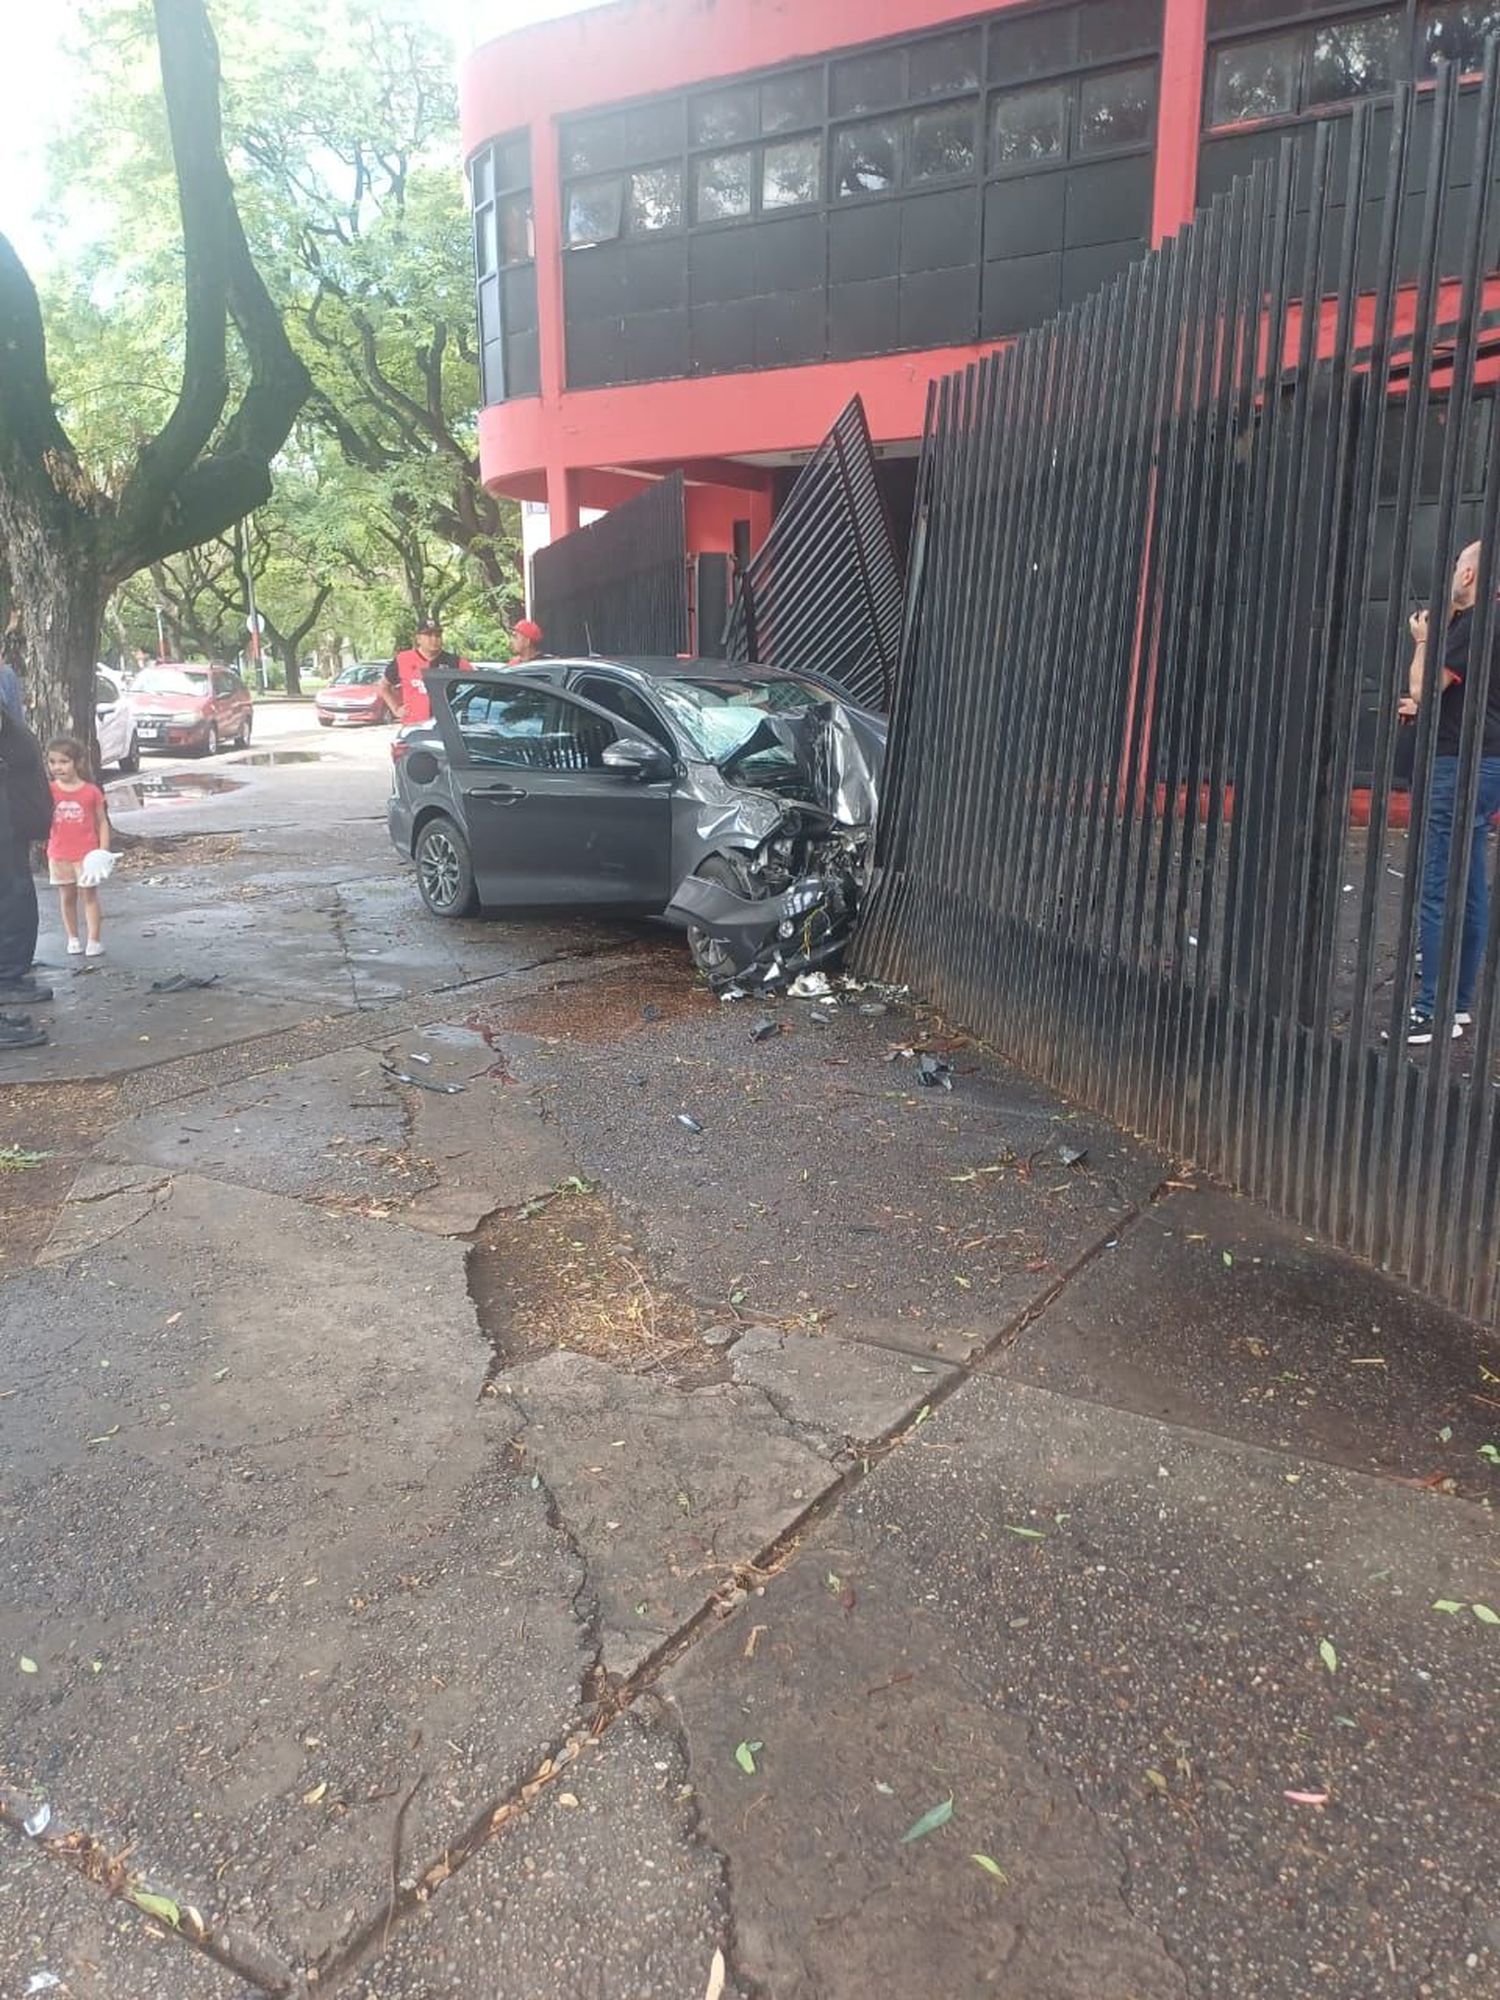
{"x":290,"y":665}
{"x":53,"y":556}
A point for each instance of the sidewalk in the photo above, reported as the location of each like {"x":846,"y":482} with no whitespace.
{"x":502,"y":1541}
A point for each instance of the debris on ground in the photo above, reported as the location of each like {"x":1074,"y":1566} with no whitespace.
{"x":422,"y":1082}
{"x":184,"y":982}
{"x":764,"y":1029}
{"x":934,"y":1073}
{"x":811,"y":986}
{"x":688,"y":1122}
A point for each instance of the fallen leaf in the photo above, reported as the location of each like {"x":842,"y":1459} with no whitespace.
{"x":569,"y":1799}
{"x":151,"y":1905}
{"x":1491,"y":1453}
{"x":1026,"y":1534}
{"x":744,"y":1756}
{"x":990,"y":1866}
{"x":1307,"y":1798}
{"x":173,"y":1320}
{"x":1156,"y":1778}
{"x":27,"y":1666}
{"x":922,"y":1415}
{"x":1228,"y":1260}
{"x":930,"y":1821}
{"x":1445,"y":1435}
{"x":1448,"y":1604}
{"x":753,"y":1641}
{"x":1328,"y":1656}
{"x":105,"y":1436}
{"x":717,"y":1975}
{"x":1484,"y":1614}
{"x":885,"y":1790}
{"x":316,"y":1795}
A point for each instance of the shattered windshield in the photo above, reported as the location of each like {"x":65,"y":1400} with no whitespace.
{"x":719,"y":716}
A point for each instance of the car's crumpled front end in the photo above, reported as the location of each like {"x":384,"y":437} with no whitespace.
{"x":784,"y":864}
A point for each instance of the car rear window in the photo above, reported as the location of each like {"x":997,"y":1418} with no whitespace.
{"x":522,"y":727}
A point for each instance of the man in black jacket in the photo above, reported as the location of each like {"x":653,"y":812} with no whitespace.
{"x":25,"y":816}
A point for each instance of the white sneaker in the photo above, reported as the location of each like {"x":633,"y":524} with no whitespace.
{"x":75,"y":945}
{"x":93,"y":949}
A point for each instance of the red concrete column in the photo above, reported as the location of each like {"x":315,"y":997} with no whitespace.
{"x":562,"y":501}
{"x":1183,"y":65}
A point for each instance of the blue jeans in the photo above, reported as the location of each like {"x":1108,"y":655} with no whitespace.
{"x":1442,"y":796}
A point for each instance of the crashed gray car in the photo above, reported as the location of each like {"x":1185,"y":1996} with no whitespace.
{"x":739,"y":802}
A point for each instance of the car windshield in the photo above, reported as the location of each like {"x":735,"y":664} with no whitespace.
{"x":359,"y":676}
{"x":720,"y":716}
{"x":171,"y":680}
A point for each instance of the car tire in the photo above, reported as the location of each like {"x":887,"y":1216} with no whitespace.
{"x":211,"y":741}
{"x":244,"y":737}
{"x":445,"y":870}
{"x":130,"y":763}
{"x":710,"y":956}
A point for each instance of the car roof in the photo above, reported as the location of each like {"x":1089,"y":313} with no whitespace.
{"x":665,"y":667}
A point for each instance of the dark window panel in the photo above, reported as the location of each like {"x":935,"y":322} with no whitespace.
{"x":862,"y":319}
{"x":594,"y":211}
{"x":787,"y":102}
{"x":652,"y":131}
{"x":942,"y":142}
{"x":484,"y":241}
{"x":718,"y":268}
{"x":1117,"y":109}
{"x":866,"y":158}
{"x":1455,"y":31}
{"x":657,"y":346}
{"x":1108,"y":28}
{"x":864,"y":243}
{"x":1229,"y":17}
{"x":596,"y":350}
{"x":594,"y":145}
{"x":1109,"y":202}
{"x":1027,"y":126}
{"x":943,"y":64}
{"x":1023,"y":216}
{"x":1020,"y":293}
{"x":481,"y":180}
{"x":721,"y":116}
{"x":491,"y":325}
{"x":1356,"y":58}
{"x":1033,"y":45}
{"x":523,"y":374}
{"x":1084,"y":271}
{"x":513,"y":221}
{"x":723,"y":338}
{"x":788,"y":254}
{"x":1222,"y":161}
{"x":512,"y":163}
{"x":939,"y":308}
{"x":939,"y":231}
{"x":492,"y":372}
{"x":868,"y":82}
{"x":655,"y":200}
{"x":723,"y":185}
{"x":791,"y":172}
{"x":656,"y":276}
{"x":518,"y":290}
{"x":1255,"y":79}
{"x":595,"y":281}
{"x":790,"y":327}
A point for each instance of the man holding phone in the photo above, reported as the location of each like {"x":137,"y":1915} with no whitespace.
{"x":1451,"y":685}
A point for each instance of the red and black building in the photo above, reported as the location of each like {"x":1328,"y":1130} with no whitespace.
{"x":701,"y":226}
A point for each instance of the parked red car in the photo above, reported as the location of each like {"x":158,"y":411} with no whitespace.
{"x":188,"y":706}
{"x":353,"y":696}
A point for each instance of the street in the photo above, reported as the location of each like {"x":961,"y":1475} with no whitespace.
{"x":468,"y":1532}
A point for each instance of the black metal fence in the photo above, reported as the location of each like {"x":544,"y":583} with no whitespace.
{"x":822,"y":594}
{"x":1124,"y":835}
{"x":620,"y":584}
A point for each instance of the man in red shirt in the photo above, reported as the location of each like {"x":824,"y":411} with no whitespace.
{"x":403,"y":689}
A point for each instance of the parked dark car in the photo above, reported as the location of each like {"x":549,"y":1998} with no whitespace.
{"x":737,"y":801}
{"x":353,"y":696}
{"x":187,"y":706}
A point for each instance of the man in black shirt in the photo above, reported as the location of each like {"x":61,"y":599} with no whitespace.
{"x":1441,"y":798}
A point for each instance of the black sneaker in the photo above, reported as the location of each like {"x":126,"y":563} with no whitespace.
{"x":29,"y":992}
{"x":1421,"y":1029}
{"x":24,"y":1036}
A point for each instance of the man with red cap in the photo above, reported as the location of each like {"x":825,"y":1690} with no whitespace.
{"x":403,"y":689}
{"x":525,"y":642}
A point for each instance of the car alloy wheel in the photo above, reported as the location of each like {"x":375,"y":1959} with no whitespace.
{"x":445,"y":874}
{"x":211,"y":742}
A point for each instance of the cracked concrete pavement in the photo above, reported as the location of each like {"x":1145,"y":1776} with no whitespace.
{"x":614,"y":1672}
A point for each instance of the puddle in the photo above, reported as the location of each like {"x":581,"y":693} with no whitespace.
{"x":148,"y":792}
{"x":283,"y":757}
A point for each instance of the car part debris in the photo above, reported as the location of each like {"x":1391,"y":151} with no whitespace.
{"x":184,"y":982}
{"x":38,"y":1823}
{"x":763,"y":937}
{"x":874,"y":1007}
{"x":1072,"y":1156}
{"x":413,"y":1057}
{"x":688,"y":1122}
{"x":811,"y":986}
{"x":43,"y":1982}
{"x":934,"y":1074}
{"x":422,"y":1082}
{"x":820,"y":1019}
{"x":764,"y":1029}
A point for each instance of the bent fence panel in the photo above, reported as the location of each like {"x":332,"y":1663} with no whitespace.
{"x":1144,"y":826}
{"x":620,"y":584}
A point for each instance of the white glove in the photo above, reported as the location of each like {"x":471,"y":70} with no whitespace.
{"x":96,"y":866}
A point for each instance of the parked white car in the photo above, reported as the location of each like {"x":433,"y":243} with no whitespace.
{"x":115,"y":724}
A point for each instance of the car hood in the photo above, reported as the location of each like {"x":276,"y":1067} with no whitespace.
{"x":351,"y":691}
{"x":837,"y":754}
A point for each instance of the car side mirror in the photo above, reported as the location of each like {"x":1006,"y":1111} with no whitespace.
{"x":643,"y":760}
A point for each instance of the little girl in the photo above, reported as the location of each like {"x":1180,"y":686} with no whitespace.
{"x":80,"y":823}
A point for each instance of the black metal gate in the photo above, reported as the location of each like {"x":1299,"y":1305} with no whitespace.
{"x":1162,"y":568}
{"x":620,"y":584}
{"x":822,"y":594}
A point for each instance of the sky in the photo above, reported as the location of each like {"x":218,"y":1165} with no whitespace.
{"x":34,"y":41}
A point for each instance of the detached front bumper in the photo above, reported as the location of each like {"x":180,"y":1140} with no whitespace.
{"x":769,"y":938}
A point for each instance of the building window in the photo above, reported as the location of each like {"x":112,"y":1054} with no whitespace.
{"x":868,"y":82}
{"x":504,"y":274}
{"x":655,"y":200}
{"x":1117,"y":109}
{"x":514,"y":224}
{"x":724,"y":116}
{"x":594,"y":210}
{"x":866,"y":158}
{"x":942,"y":143}
{"x":791,"y":174}
{"x":949,"y":63}
{"x":789,"y":101}
{"x":723,"y":186}
{"x":1309,"y":69}
{"x":1029,"y":126}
